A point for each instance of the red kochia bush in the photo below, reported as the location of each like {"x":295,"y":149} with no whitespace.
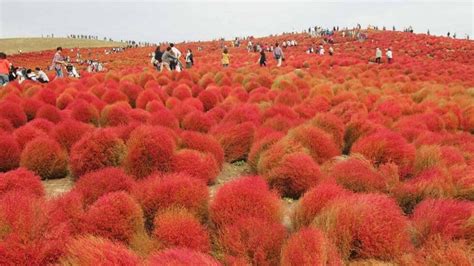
{"x":45,"y":157}
{"x":9,"y":152}
{"x":451,"y":219}
{"x":357,"y":174}
{"x":366,"y":226}
{"x":49,"y":112}
{"x":385,"y":146}
{"x":200,"y":165}
{"x":314,"y":201}
{"x":95,"y":184}
{"x":234,"y":139}
{"x":27,"y":236}
{"x":67,"y":210}
{"x":309,"y":246}
{"x":197,"y":121}
{"x":157,"y":193}
{"x":91,"y":250}
{"x":68,"y":132}
{"x":261,"y":145}
{"x":116,"y":216}
{"x":164,"y":118}
{"x":296,"y":173}
{"x":181,"y":256}
{"x":149,"y":150}
{"x":180,"y":228}
{"x":439,"y":251}
{"x":204,"y":143}
{"x":257,"y":241}
{"x":319,"y":143}
{"x":26,"y":133}
{"x":23,"y":181}
{"x":84,"y":112}
{"x":13,"y":113}
{"x":245,"y":197}
{"x":95,"y":150}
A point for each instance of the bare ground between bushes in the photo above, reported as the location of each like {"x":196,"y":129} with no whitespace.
{"x":230,"y":171}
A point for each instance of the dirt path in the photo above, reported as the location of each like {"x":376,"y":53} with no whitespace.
{"x":56,"y":187}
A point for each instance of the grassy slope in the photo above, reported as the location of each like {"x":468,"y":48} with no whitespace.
{"x":11,"y":46}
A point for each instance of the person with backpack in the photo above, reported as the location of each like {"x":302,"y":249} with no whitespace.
{"x":263,"y":58}
{"x":225,"y":58}
{"x":189,"y":58}
{"x":278,"y":54}
{"x":5,"y":67}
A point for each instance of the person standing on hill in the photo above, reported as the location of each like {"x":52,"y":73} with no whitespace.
{"x":278,"y":54}
{"x":263,"y":58}
{"x":176,"y":64}
{"x":157,"y":58}
{"x":389,"y":55}
{"x":189,"y":58}
{"x":225,"y":58}
{"x":331,"y":51}
{"x":58,"y":62}
{"x":166,"y":59}
{"x":5,"y":66}
{"x":378,"y":55}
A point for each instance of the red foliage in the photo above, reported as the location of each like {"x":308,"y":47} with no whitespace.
{"x":314,"y":201}
{"x":309,"y":247}
{"x":234,"y":139}
{"x":200,"y":165}
{"x":95,"y":150}
{"x":13,"y":113}
{"x":438,"y":251}
{"x":84,"y":112}
{"x":296,"y":173}
{"x":451,"y":219}
{"x":197,"y":121}
{"x":67,"y":209}
{"x":49,"y":112}
{"x":45,"y":157}
{"x":68,"y":132}
{"x":385,"y":146}
{"x":95,"y":184}
{"x":23,"y":181}
{"x":261,"y":145}
{"x":320,"y":144}
{"x":181,"y":256}
{"x":28,"y":238}
{"x":115,"y":216}
{"x":91,"y":250}
{"x":157,"y":193}
{"x":181,"y":229}
{"x":357,"y":174}
{"x":366,"y":226}
{"x":26,"y":133}
{"x":204,"y":143}
{"x":245,"y":197}
{"x":9,"y":153}
{"x":257,"y":241}
{"x":149,"y":150}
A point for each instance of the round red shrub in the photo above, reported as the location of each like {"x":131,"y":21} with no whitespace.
{"x":197,"y":121}
{"x":9,"y":153}
{"x":95,"y":184}
{"x":209,"y":98}
{"x":385,"y":146}
{"x":180,"y":228}
{"x":116,"y":216}
{"x":204,"y":143}
{"x":319,"y":143}
{"x":27,"y":133}
{"x":439,"y":251}
{"x":181,"y":256}
{"x":200,"y":165}
{"x":115,"y":114}
{"x":234,"y":139}
{"x":92,"y":250}
{"x":245,"y":197}
{"x":366,"y":226}
{"x":157,"y":193}
{"x":358,"y":174}
{"x":309,"y":246}
{"x":68,"y":132}
{"x":84,"y":112}
{"x":21,"y":180}
{"x":13,"y":113}
{"x":164,"y":118}
{"x":296,"y":173}
{"x":67,"y":210}
{"x":261,"y":145}
{"x":95,"y":150}
{"x":45,"y":157}
{"x":257,"y":241}
{"x":150,"y":149}
{"x":451,"y":219}
{"x":49,"y":112}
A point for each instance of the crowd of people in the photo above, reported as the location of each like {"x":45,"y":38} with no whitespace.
{"x":170,"y":58}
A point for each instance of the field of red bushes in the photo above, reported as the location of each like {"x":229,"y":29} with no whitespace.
{"x":377,"y":159}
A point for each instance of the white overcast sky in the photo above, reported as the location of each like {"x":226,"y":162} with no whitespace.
{"x":157,"y":21}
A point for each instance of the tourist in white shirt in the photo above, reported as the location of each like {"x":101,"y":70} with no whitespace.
{"x":378,"y":55}
{"x":389,"y":55}
{"x":321,"y":50}
{"x":42,"y":77}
